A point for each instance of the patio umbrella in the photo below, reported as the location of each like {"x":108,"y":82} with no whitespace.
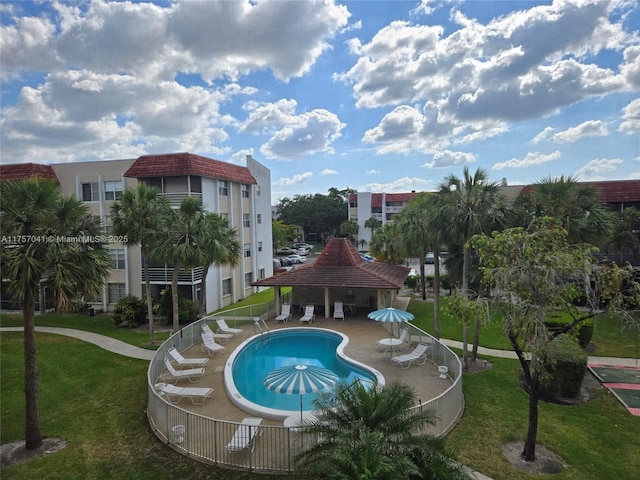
{"x":392,"y":315}
{"x":300,"y":379}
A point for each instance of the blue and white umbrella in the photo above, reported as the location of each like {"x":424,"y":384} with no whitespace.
{"x":300,"y":379}
{"x":391,"y":315}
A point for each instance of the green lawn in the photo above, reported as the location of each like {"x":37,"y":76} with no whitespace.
{"x":611,"y":338}
{"x":96,"y":400}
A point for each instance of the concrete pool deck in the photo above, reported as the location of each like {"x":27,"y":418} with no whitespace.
{"x":363,"y":335}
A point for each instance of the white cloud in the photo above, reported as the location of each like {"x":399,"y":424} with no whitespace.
{"x":481,"y":76}
{"x":405,"y":184}
{"x":631,"y":118}
{"x":328,"y":171}
{"x":544,"y":135}
{"x":591,"y":128}
{"x":304,"y":134}
{"x":595,"y":168}
{"x":448,"y":158}
{"x":535,"y":158}
{"x":295,"y":180}
{"x":373,"y":172}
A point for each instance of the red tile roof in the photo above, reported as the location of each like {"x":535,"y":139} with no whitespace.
{"x":17,"y":171}
{"x":340,"y":265}
{"x":175,"y":164}
{"x":617,"y":191}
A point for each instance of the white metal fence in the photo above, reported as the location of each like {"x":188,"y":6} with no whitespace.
{"x":275,"y":448}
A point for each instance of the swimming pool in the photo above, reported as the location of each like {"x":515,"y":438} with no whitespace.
{"x":254,"y":359}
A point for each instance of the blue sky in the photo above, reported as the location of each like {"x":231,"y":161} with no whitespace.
{"x":373,"y":95}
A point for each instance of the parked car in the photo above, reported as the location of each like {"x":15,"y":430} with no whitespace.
{"x":430,"y":258}
{"x":297,"y":258}
{"x":279,"y":268}
{"x":367,"y":258}
{"x":302,"y":248}
{"x":286,"y":261}
{"x":285,"y":251}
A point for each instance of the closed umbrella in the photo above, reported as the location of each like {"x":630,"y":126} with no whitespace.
{"x":392,"y":315}
{"x":300,"y":379}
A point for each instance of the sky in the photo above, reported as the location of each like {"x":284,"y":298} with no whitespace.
{"x":376,"y":96}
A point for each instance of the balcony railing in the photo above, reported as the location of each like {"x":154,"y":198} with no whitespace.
{"x":165,"y":275}
{"x":176,"y":198}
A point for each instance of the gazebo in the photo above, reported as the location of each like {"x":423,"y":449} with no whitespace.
{"x":340,"y":274}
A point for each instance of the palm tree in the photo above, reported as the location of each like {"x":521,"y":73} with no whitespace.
{"x":374,"y":433}
{"x":372,"y":223}
{"x":139,"y":216}
{"x":576,"y":205}
{"x":181,"y":246}
{"x":221,"y":246}
{"x":471,"y":205}
{"x":385,"y":245}
{"x":35,"y":217}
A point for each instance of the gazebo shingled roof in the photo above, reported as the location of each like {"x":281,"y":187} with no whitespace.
{"x":340,"y":265}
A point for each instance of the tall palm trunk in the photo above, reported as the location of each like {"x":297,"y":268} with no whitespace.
{"x":33,"y":437}
{"x":147,"y":284}
{"x":174,"y":298}
{"x":436,"y":292}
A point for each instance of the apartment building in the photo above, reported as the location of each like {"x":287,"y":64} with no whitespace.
{"x":618,"y":194}
{"x":239,"y":194}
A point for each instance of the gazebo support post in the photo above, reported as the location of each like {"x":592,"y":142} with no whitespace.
{"x":327,"y":303}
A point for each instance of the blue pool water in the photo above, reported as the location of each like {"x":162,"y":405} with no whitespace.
{"x":290,"y":347}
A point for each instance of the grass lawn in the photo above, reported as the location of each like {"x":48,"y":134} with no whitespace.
{"x":598,"y":440}
{"x":611,"y":338}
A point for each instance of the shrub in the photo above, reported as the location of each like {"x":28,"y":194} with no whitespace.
{"x":130,"y":311}
{"x":187,"y":309}
{"x":566,"y":365}
{"x":584,"y":332}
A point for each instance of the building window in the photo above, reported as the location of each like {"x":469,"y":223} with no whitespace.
{"x":90,"y":192}
{"x":113,"y":190}
{"x":117,"y":258}
{"x":353,"y":205}
{"x":223,"y":188}
{"x":259,"y":246}
{"x":226,"y":286}
{"x":245,"y":191}
{"x":246,"y":220}
{"x":248,"y":279}
{"x":261,"y":273}
{"x":116,"y":292}
{"x":259,"y":218}
{"x":247,"y":250}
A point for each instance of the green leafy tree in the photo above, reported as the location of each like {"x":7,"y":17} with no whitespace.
{"x":469,"y":311}
{"x":282,"y":234}
{"x":374,"y":433}
{"x":34,"y":218}
{"x":321,"y":214}
{"x":349,"y":228}
{"x":472,"y":205}
{"x":139,"y":216}
{"x":372,"y":223}
{"x":538,"y":272}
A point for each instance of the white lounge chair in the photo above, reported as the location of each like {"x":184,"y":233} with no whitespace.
{"x":308,"y":316}
{"x":224,"y":328}
{"x":338,"y":311}
{"x":182,"y":362}
{"x":173,"y":394}
{"x":221,"y":337}
{"x":390,"y":344}
{"x":419,"y":355}
{"x":285,"y":315}
{"x":244,"y":438}
{"x":209,"y":344}
{"x":171,"y":374}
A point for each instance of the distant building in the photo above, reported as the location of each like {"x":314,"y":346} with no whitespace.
{"x":618,"y":194}
{"x":239,"y":194}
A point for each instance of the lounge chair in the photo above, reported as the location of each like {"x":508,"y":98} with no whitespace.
{"x":338,"y":311}
{"x":209,"y":344}
{"x":390,"y":344}
{"x":181,"y":362}
{"x":224,"y":328}
{"x":285,"y":315}
{"x":419,"y":355}
{"x":308,"y":316}
{"x":171,"y":374}
{"x":173,"y":394}
{"x":221,"y":337}
{"x":244,"y":438}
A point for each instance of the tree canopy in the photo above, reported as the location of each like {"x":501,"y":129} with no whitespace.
{"x":319,"y":214}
